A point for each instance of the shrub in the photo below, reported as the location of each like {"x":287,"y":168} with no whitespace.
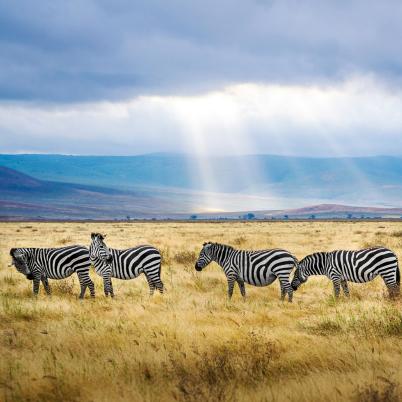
{"x":387,"y":391}
{"x":64,"y":286}
{"x":185,"y":257}
{"x":65,"y":240}
{"x":239,"y":241}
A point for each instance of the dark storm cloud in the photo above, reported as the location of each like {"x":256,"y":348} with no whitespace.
{"x":91,"y":50}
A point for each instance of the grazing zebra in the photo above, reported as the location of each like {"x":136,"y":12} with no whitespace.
{"x":41,"y":264}
{"x":125,"y":264}
{"x":258,"y":268}
{"x":359,"y":266}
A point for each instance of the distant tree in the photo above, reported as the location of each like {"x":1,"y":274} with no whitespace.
{"x":250,"y":216}
{"x":312,"y":216}
{"x":286,"y":216}
{"x":128,"y":217}
{"x":193,"y":217}
{"x":350,"y":216}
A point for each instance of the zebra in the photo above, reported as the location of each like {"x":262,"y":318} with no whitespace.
{"x":125,"y":264}
{"x":258,"y":268}
{"x":41,"y":264}
{"x":358,"y":266}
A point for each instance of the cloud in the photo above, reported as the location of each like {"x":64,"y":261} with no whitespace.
{"x":360,"y":116}
{"x":57,"y":51}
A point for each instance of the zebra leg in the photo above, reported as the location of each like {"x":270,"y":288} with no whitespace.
{"x":151,"y":288}
{"x":85,"y":281}
{"x":91,"y":286}
{"x":242,"y":287}
{"x":152,"y":273}
{"x":154,"y":280}
{"x":159,"y":286}
{"x":337,"y":287}
{"x":46,"y":285}
{"x":393,"y":291}
{"x":345,"y":288}
{"x":35,"y":285}
{"x":107,"y":286}
{"x":151,"y":284}
{"x":393,"y":288}
{"x":231,"y":282}
{"x":286,"y":288}
{"x":391,"y":283}
{"x":111,"y":288}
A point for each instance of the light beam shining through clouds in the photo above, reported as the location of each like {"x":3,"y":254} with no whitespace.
{"x":356,"y":117}
{"x":359,"y":117}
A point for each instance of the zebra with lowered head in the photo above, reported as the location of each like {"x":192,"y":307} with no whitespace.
{"x":343,"y":266}
{"x":41,"y":264}
{"x":125,"y":264}
{"x":258,"y":268}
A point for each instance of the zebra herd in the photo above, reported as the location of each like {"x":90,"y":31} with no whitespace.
{"x":258,"y":268}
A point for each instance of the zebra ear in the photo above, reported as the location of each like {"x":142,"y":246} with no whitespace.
{"x":12,"y":252}
{"x":93,"y":235}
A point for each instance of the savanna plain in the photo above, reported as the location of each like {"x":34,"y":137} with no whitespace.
{"x":192,"y":343}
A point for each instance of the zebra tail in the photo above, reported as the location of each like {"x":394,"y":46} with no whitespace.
{"x":398,"y":273}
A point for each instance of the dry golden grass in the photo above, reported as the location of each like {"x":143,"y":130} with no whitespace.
{"x":192,"y":343}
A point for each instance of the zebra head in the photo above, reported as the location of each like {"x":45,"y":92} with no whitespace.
{"x":299,"y":276}
{"x":99,"y":250}
{"x":205,"y":257}
{"x":20,"y":259}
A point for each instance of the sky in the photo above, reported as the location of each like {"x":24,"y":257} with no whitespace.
{"x":313,"y":78}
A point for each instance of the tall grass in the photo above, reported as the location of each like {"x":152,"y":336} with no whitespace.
{"x":192,"y":344}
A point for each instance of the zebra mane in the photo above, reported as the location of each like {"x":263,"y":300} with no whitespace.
{"x":219,"y":245}
{"x":101,"y":236}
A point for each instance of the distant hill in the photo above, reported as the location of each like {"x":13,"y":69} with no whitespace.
{"x":320,"y":211}
{"x":323,"y":211}
{"x":167,"y":185}
{"x":371,"y":181}
{"x":24,"y":196}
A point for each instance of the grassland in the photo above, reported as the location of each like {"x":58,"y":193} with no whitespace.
{"x":192,"y":343}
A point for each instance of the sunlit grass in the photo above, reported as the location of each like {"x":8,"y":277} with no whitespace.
{"x":192,"y":343}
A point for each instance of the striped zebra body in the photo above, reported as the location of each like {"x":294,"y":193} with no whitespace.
{"x":41,"y":264}
{"x":343,"y":266}
{"x":125,"y":264}
{"x":258,"y":268}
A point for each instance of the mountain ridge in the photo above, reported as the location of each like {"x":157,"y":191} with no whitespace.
{"x":172,"y":183}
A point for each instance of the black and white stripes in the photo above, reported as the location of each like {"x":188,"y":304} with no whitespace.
{"x":258,"y":268}
{"x":343,"y":266}
{"x":125,"y":264}
{"x":41,"y":264}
